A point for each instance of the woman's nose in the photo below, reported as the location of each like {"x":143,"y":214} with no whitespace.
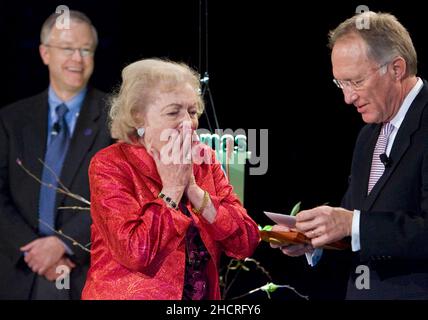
{"x":186,"y":124}
{"x":187,"y":116}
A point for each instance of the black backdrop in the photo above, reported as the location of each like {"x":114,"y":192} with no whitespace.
{"x":269,"y":68}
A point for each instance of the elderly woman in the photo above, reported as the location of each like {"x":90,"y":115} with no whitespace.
{"x":162,"y":213}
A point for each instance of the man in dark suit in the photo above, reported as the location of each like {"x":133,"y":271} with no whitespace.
{"x":32,"y":254}
{"x":385,"y":208}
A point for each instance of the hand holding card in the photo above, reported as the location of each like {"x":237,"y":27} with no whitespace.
{"x":292,"y":236}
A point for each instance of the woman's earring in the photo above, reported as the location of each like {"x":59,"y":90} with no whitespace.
{"x":140,"y":131}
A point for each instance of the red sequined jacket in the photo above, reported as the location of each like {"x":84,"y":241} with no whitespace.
{"x":138,"y":247}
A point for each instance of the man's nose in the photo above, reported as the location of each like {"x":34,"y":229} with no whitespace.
{"x":350,"y":95}
{"x":77,"y":55}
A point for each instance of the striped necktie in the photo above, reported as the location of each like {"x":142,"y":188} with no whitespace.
{"x":378,"y":167}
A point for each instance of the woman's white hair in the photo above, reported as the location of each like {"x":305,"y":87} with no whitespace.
{"x":139,"y":79}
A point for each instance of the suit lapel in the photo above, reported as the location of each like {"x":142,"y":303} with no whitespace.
{"x":409,"y":126}
{"x":34,"y":135}
{"x":83,"y":137}
{"x":363,"y":163}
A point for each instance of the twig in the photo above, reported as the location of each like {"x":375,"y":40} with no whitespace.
{"x":268,"y":289}
{"x":54,"y":174}
{"x":75,"y":243}
{"x":59,"y":190}
{"x":228,"y":268}
{"x":62,"y":190}
{"x":74,"y":208}
{"x":239,"y":266}
{"x":260,"y":267}
{"x":226,"y":290}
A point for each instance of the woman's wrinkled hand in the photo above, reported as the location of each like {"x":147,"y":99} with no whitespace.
{"x":174,"y":162}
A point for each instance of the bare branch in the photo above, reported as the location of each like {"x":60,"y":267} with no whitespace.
{"x":260,"y":267}
{"x":59,"y":232}
{"x":59,"y":190}
{"x":268,"y":289}
{"x":238,"y":265}
{"x":246,"y":294}
{"x":74,"y":208}
{"x":54,"y":174}
{"x":227,"y":287}
{"x":62,"y":190}
{"x":228,"y":268}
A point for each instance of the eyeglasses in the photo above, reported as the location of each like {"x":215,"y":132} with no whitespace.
{"x":356,"y":84}
{"x":67,"y":51}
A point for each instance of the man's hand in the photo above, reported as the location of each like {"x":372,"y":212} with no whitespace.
{"x":325,"y":224}
{"x":51,"y":274}
{"x":43,"y":253}
{"x":292,"y":250}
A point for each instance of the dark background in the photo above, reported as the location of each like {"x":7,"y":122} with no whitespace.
{"x":269,"y":68}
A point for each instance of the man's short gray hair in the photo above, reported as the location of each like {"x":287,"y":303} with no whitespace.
{"x":386,"y":38}
{"x":75,"y":16}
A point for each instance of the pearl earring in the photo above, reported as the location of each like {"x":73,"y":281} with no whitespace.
{"x":140,"y":131}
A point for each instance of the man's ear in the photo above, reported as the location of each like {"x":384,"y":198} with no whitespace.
{"x":44,"y":54}
{"x":399,"y":67}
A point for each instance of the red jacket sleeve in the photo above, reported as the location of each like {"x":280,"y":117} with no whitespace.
{"x":138,"y":229}
{"x":236,"y":232}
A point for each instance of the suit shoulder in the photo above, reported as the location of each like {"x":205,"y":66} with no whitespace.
{"x":23,"y":106}
{"x":100,"y":99}
{"x":367,"y":128}
{"x":96,"y":93}
{"x":366,"y":132}
{"x":424,"y":117}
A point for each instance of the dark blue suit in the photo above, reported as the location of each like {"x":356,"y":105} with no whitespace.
{"x":394,"y":216}
{"x":23,"y":134}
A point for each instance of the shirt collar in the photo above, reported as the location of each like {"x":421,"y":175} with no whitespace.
{"x":399,"y":117}
{"x":74,"y":104}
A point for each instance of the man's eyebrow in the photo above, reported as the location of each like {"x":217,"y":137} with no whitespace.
{"x":71,"y":43}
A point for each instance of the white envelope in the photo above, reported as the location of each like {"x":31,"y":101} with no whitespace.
{"x":282,"y":219}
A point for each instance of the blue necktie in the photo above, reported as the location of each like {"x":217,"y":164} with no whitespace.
{"x":54,"y":159}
